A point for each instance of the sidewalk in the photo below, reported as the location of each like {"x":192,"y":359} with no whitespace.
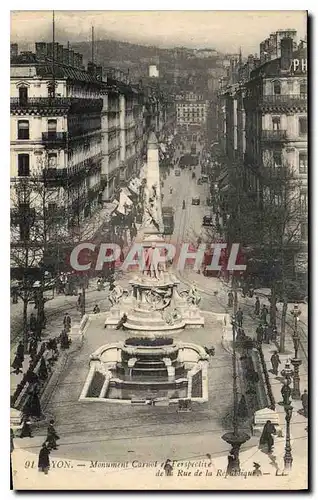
{"x":219,"y":289}
{"x":298,"y":424}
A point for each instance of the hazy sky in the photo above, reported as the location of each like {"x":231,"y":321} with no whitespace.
{"x":224,"y":30}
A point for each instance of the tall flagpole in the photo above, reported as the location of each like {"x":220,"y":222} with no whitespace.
{"x":93,"y":44}
{"x":53,"y":52}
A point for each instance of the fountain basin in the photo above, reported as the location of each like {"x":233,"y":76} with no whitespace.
{"x":147,"y":374}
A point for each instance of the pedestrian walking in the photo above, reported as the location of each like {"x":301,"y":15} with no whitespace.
{"x":267,"y":436}
{"x":230,"y":299}
{"x":33,"y":346}
{"x":264,"y":313}
{"x":275,"y":362}
{"x":260,"y":333}
{"x":33,"y":406}
{"x":168,"y":468}
{"x":64,"y":340}
{"x":11,"y":441}
{"x":267,"y":334}
{"x":274,"y":333}
{"x":17,"y":363}
{"x":52,"y":436}
{"x":67,"y":322}
{"x":304,"y":401}
{"x":231,"y":465}
{"x":26,"y":428}
{"x":257,"y":469}
{"x":257,"y":306}
{"x":33,"y":323}
{"x":239,"y":317}
{"x":99,"y":285}
{"x":44,"y":459}
{"x":79,"y":302}
{"x":20,"y":351}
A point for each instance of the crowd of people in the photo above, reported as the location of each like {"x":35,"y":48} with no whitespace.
{"x":36,"y":373}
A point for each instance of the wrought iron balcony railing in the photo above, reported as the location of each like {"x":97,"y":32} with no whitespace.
{"x":283,"y":99}
{"x":74,"y":103}
{"x":274,"y":135}
{"x":33,"y":102}
{"x":54,"y":137}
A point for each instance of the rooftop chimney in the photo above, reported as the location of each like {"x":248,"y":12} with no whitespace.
{"x":99,"y":73}
{"x":41,"y":50}
{"x":13,"y":49}
{"x":286,"y":47}
{"x":71,"y":57}
{"x":65,"y":56}
{"x":76,"y":60}
{"x":50,"y":50}
{"x":91,"y":68}
{"x":60,"y":53}
{"x":80,"y":60}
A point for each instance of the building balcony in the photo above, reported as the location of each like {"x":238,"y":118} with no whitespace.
{"x":54,"y":138}
{"x":55,"y":177}
{"x":280,"y":101}
{"x":39,"y":102}
{"x":72,"y":104}
{"x":274,"y":135}
{"x":113,"y":110}
{"x":285,"y":99}
{"x":80,"y":133}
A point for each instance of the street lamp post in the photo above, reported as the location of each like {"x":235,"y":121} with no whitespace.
{"x":235,"y":438}
{"x":288,"y":458}
{"x":295,"y":361}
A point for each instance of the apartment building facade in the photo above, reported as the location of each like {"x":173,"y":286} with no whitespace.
{"x":264,"y":119}
{"x":191,"y":110}
{"x":79,"y":133}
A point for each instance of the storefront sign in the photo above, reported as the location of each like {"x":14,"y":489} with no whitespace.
{"x":299,"y":65}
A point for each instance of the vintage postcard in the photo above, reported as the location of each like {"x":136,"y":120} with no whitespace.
{"x":159,"y":243}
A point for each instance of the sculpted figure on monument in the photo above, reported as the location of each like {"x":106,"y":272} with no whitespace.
{"x":159,"y":299}
{"x":192,"y":296}
{"x":151,"y":208}
{"x":172,"y":317}
{"x":152,"y":262}
{"x":116,"y":294}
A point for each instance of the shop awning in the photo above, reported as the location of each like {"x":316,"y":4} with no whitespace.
{"x":124,"y":203}
{"x":134,"y":185}
{"x":222,"y":175}
{"x":111,"y":207}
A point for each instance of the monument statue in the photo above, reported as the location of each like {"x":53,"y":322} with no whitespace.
{"x":155,"y":304}
{"x":152,"y":262}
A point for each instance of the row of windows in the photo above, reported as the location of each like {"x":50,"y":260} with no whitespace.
{"x":24,"y":163}
{"x":24,"y":128}
{"x":277,"y":88}
{"x":302,"y":124}
{"x":302,"y":160}
{"x":200,"y":106}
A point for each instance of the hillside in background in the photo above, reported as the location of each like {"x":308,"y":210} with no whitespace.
{"x":108,"y":52}
{"x":124,"y":55}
